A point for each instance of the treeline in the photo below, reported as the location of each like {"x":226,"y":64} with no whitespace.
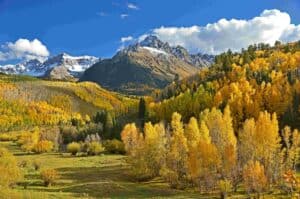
{"x":206,"y":153}
{"x":257,"y":79}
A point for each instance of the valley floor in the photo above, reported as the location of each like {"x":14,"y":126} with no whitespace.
{"x":103,"y":176}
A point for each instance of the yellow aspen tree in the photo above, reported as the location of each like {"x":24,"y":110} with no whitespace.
{"x":194,"y":155}
{"x":291,"y":147}
{"x":204,"y":132}
{"x":206,"y":163}
{"x":10,"y":172}
{"x":135,"y":148}
{"x":176,"y":170}
{"x":192,"y":132}
{"x":228,"y":128}
{"x":222,"y":135}
{"x":260,"y":141}
{"x":247,"y":146}
{"x":268,"y":145}
{"x":254,"y":177}
{"x":154,"y":148}
{"x":129,"y":136}
{"x":220,"y":127}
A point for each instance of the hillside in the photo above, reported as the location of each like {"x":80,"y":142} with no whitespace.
{"x":27,"y":101}
{"x":145,"y":66}
{"x":257,"y":79}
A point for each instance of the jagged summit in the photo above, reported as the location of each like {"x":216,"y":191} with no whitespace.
{"x":159,"y":48}
{"x":74,"y":66}
{"x":146,"y":65}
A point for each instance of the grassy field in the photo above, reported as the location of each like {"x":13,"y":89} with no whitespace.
{"x":103,"y":176}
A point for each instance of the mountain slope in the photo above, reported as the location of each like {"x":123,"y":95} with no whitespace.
{"x":145,"y":66}
{"x":27,"y":101}
{"x":60,"y":67}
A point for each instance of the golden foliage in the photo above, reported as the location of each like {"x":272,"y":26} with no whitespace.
{"x":49,"y":176}
{"x":73,"y":148}
{"x":254,"y":177}
{"x":9,"y":170}
{"x":43,"y":146}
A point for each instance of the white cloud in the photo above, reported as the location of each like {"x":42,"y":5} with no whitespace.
{"x":101,"y":14}
{"x":235,"y":34}
{"x":24,"y":49}
{"x":132,"y":6}
{"x":3,"y":56}
{"x":123,"y":16}
{"x":126,"y":39}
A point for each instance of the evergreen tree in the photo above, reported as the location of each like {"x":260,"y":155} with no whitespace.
{"x":142,"y":111}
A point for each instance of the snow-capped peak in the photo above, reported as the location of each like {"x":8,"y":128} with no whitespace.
{"x":76,"y":65}
{"x":155,"y":51}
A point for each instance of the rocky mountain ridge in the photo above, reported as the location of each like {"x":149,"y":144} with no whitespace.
{"x":69,"y":66}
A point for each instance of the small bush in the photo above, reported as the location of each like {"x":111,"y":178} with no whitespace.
{"x":23,"y":164}
{"x":9,"y":170}
{"x":36,"y":165}
{"x":69,"y":134}
{"x":49,"y":176}
{"x":43,"y":146}
{"x":73,"y":148}
{"x":225,"y":187}
{"x":254,"y":177}
{"x":94,"y":148}
{"x":114,"y":146}
{"x":5,"y":137}
{"x":28,"y":140}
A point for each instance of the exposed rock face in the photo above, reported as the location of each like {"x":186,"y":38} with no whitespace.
{"x":59,"y":73}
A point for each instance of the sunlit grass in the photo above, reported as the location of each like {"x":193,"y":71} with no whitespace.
{"x":96,"y":177}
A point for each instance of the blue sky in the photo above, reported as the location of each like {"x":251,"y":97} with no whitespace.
{"x":95,"y":27}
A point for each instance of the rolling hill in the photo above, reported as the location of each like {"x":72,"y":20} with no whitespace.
{"x":28,"y":101}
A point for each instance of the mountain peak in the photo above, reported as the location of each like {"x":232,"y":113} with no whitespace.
{"x":74,"y":65}
{"x":152,"y":41}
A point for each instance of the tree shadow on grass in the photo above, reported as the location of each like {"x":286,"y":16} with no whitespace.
{"x":112,"y":181}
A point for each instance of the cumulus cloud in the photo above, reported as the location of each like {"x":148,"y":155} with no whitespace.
{"x":234,"y":34}
{"x":132,"y":6}
{"x":24,"y":49}
{"x":102,"y":14}
{"x":123,"y":16}
{"x":126,"y":39}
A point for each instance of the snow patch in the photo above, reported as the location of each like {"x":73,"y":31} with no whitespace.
{"x":155,"y":51}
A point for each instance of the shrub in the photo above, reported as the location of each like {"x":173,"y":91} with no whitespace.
{"x":23,"y":164}
{"x":28,"y":140}
{"x":36,"y":164}
{"x":69,"y":134}
{"x":43,"y":146}
{"x":225,"y":187}
{"x":92,"y":130}
{"x":94,"y":148}
{"x":114,"y":146}
{"x":73,"y":148}
{"x":4,"y":137}
{"x":52,"y":134}
{"x":9,"y":170}
{"x":254,"y":177}
{"x":290,"y":182}
{"x":49,"y":176}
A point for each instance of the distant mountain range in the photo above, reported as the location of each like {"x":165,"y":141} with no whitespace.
{"x":137,"y":69}
{"x":144,"y":66}
{"x":62,"y":67}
